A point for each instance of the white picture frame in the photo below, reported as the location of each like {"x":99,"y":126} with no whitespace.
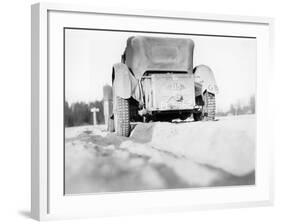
{"x":47,"y":198}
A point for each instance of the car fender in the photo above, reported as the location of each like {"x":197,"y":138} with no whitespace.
{"x":125,"y":85}
{"x":205,"y":76}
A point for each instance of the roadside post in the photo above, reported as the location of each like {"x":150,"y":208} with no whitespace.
{"x":94,"y":110}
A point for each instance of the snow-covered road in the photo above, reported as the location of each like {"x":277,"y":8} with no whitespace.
{"x":161,"y":155}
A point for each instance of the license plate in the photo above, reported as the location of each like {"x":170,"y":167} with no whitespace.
{"x":173,"y":91}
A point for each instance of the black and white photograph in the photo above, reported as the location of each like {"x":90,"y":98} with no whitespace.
{"x":146,"y":111}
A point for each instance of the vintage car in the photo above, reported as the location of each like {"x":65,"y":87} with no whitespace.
{"x":155,"y":80}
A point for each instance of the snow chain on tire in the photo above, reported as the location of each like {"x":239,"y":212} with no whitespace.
{"x":122,"y":123}
{"x":210,"y":106}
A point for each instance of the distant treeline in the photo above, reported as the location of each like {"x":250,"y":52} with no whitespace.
{"x":239,"y":109}
{"x":79,"y":113}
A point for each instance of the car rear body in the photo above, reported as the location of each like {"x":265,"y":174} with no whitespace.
{"x":168,"y":91}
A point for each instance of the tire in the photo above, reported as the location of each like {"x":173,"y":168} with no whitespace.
{"x":122,"y":117}
{"x":209,"y":108}
{"x":197,"y":116}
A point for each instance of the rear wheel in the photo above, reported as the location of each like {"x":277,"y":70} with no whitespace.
{"x":197,"y":116}
{"x":122,"y":117}
{"x":209,"y":108}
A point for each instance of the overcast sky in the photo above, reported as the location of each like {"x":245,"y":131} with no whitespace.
{"x":89,"y":56}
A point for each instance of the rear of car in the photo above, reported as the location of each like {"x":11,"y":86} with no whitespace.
{"x":156,"y":81}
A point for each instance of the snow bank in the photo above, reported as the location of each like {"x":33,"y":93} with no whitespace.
{"x":228,"y":144}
